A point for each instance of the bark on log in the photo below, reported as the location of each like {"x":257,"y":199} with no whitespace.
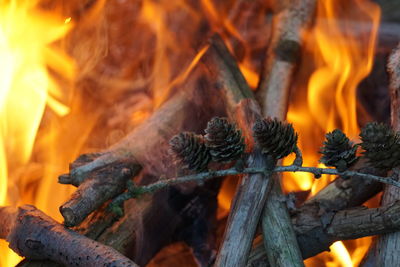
{"x":104,"y":175}
{"x":249,"y":199}
{"x":387,"y":245}
{"x":339,"y":225}
{"x":338,"y":195}
{"x":282,"y":57}
{"x":136,"y":234}
{"x":34,"y":235}
{"x":283,"y":53}
{"x":154,"y":221}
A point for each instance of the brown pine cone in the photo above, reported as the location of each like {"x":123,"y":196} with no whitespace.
{"x":224,"y":140}
{"x":190,"y":151}
{"x":274,"y":137}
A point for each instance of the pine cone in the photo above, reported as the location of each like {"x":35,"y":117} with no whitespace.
{"x":189,"y":149}
{"x":381,"y":145}
{"x":224,"y":140}
{"x":338,"y":151}
{"x":274,"y":137}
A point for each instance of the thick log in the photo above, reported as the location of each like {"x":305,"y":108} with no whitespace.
{"x":34,"y":235}
{"x":104,"y":175}
{"x":387,"y":245}
{"x":339,"y":225}
{"x":251,"y":194}
{"x":152,"y":222}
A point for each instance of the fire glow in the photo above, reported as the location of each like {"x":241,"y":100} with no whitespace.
{"x":326,"y":97}
{"x":26,"y":35}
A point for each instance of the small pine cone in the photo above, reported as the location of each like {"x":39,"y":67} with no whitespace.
{"x":274,"y":137}
{"x":381,"y":145}
{"x":224,"y":140}
{"x":338,"y":151}
{"x":189,"y":149}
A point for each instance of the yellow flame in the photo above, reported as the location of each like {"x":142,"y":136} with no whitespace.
{"x":340,"y":54}
{"x":26,"y":37}
{"x":342,"y":256}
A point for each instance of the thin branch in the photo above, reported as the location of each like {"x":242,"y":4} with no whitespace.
{"x":298,"y":161}
{"x":135,"y":191}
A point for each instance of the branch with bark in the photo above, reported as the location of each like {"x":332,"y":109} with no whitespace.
{"x":137,"y":191}
{"x":252,"y":192}
{"x":103,"y":176}
{"x":34,"y":235}
{"x":386,"y":246}
{"x":315,"y":233}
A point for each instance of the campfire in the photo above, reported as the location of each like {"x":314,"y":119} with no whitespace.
{"x":199,"y":133}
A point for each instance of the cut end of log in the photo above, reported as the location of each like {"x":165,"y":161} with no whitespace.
{"x":69,"y":217}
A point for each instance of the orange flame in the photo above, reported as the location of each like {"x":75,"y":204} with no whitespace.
{"x":26,"y":52}
{"x":340,"y":55}
{"x":340,"y":58}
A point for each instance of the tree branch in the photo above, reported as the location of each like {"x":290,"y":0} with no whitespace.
{"x":136,"y":191}
{"x":34,"y":235}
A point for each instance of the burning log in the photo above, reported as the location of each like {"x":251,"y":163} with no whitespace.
{"x":283,"y":53}
{"x":316,"y":233}
{"x":177,"y":209}
{"x":168,"y":216}
{"x":33,"y":234}
{"x":251,"y":195}
{"x":104,"y":175}
{"x":274,"y":87}
{"x":386,"y":250}
{"x":246,"y":209}
{"x":338,"y":195}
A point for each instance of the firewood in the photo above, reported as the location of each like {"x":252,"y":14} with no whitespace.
{"x":386,"y":247}
{"x":251,"y":194}
{"x":338,"y":195}
{"x":281,"y":60}
{"x":188,"y":110}
{"x":291,"y":18}
{"x":34,"y":235}
{"x":316,"y":233}
{"x":103,"y":175}
{"x":154,"y":221}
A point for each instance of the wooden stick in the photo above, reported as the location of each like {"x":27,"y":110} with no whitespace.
{"x":316,"y":233}
{"x":108,"y":182}
{"x":34,"y":235}
{"x":154,"y":221}
{"x":251,"y":194}
{"x":283,"y":53}
{"x":338,"y":195}
{"x":282,"y":58}
{"x":387,"y":245}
